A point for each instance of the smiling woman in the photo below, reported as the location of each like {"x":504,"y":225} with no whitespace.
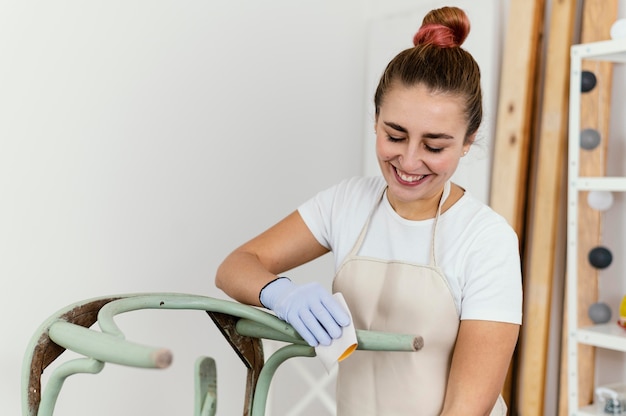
{"x":420,"y":137}
{"x":414,"y":252}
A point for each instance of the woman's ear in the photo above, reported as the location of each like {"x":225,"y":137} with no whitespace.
{"x":471,"y":138}
{"x":468,"y":143}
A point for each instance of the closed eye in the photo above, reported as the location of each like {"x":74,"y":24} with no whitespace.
{"x":433,"y":149}
{"x":394,"y":139}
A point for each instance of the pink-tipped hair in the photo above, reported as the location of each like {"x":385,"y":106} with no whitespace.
{"x":439,"y":35}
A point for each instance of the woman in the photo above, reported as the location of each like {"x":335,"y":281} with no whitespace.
{"x":414,"y":252}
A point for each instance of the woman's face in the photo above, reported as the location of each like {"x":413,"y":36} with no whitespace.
{"x":419,"y":141}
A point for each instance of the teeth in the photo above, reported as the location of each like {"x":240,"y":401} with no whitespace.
{"x":409,"y":178}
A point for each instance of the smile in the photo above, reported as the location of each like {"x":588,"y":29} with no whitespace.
{"x":409,"y":178}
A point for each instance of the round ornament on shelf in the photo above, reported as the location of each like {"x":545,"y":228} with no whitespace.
{"x":618,"y":29}
{"x":588,"y":81}
{"x":600,"y":200}
{"x":599,"y":313}
{"x":589,"y":139}
{"x":600,"y":257}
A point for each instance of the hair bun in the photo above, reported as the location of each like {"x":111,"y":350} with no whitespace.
{"x":447,"y":27}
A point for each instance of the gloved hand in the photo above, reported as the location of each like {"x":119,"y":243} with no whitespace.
{"x":309,"y":308}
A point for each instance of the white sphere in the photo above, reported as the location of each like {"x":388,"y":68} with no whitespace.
{"x":618,"y":29}
{"x":600,"y":200}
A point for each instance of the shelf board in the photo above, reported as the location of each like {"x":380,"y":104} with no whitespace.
{"x":605,"y":183}
{"x":591,"y":410}
{"x":609,"y":335}
{"x":609,"y":50}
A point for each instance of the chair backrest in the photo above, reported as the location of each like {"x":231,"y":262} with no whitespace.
{"x":243,"y":327}
{"x":43,"y":351}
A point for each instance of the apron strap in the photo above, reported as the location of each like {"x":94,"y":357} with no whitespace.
{"x":359,"y":241}
{"x":444,"y":196}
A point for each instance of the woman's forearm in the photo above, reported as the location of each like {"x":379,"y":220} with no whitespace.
{"x":242,"y":276}
{"x":249,"y":268}
{"x":480,"y":363}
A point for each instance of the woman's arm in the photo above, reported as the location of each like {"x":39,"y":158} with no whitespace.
{"x":480,"y":363}
{"x":250,"y":267}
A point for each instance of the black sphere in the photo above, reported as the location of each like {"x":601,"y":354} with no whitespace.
{"x":588,"y":81}
{"x":600,"y":257}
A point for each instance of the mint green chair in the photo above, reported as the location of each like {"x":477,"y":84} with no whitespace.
{"x":243,"y":327}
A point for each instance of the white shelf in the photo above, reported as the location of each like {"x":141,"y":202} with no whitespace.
{"x":592,"y":410}
{"x":609,"y":335}
{"x":588,"y":183}
{"x":609,"y":50}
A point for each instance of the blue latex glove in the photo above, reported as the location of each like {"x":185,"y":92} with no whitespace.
{"x":309,"y":308}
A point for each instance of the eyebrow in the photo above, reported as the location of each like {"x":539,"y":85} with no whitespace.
{"x":395,"y":126}
{"x":401,"y":129}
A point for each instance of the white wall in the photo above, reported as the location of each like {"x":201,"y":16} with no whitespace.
{"x":142,"y":141}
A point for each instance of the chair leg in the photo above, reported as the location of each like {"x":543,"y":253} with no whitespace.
{"x":249,"y":350}
{"x":206,"y":387}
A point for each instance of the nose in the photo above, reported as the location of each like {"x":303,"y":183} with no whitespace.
{"x":412,"y":157}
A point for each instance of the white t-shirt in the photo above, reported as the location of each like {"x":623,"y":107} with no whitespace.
{"x":476,"y":248}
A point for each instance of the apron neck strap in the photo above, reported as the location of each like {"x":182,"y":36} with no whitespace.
{"x":442,"y":200}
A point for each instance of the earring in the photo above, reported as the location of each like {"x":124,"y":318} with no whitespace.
{"x":464,"y":153}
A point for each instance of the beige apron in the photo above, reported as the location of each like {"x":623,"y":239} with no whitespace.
{"x":399,"y":297}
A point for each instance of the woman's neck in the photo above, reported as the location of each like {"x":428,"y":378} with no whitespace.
{"x":425,"y":209}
